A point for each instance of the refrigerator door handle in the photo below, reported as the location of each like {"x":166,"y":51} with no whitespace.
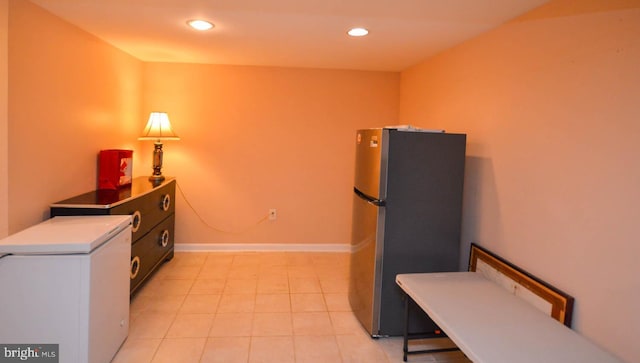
{"x":369,"y":199}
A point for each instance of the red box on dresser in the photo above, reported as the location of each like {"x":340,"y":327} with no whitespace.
{"x":114,"y":168}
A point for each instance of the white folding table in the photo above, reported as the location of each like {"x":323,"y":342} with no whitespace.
{"x":490,"y":325}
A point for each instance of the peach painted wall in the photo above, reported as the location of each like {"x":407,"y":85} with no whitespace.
{"x":70,"y":95}
{"x":255,"y":138}
{"x":4,"y":123}
{"x":551,"y":106}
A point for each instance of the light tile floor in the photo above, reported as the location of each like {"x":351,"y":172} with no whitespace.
{"x":271,"y":307}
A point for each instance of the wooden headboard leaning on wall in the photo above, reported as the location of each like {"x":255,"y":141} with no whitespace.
{"x":538,"y":293}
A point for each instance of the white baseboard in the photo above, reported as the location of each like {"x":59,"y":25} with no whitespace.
{"x":260,"y":247}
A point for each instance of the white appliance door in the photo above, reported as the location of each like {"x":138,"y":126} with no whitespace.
{"x":64,"y":235}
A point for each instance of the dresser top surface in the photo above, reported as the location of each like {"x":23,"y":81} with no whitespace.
{"x":108,"y":198}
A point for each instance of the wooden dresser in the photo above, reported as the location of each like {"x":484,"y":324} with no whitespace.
{"x":153,"y":211}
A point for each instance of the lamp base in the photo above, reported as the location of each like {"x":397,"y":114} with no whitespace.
{"x":156,"y":178}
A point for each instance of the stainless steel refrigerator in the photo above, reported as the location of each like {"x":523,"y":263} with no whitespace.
{"x":407,"y":205}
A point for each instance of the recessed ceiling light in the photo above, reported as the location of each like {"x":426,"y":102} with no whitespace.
{"x":358,"y":32}
{"x":200,"y":24}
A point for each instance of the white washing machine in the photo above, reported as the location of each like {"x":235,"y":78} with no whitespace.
{"x":66,"y":281}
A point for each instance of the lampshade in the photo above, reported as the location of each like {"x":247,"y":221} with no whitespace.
{"x":158,"y":128}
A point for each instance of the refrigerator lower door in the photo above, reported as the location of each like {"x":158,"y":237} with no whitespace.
{"x":365,"y":274}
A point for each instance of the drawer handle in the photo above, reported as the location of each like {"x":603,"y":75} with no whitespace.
{"x":137,"y":221}
{"x":166,"y":202}
{"x":135,"y":267}
{"x":164,"y":238}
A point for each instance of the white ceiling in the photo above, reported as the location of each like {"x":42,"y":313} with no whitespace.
{"x":288,"y":33}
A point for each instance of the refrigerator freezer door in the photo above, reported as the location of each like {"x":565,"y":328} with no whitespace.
{"x":368,"y":162}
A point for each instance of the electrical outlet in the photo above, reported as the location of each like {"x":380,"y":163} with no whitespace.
{"x":272,"y":214}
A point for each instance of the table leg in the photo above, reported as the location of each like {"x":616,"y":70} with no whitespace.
{"x":405,"y":344}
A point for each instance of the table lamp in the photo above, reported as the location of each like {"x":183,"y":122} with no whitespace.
{"x":158,"y":128}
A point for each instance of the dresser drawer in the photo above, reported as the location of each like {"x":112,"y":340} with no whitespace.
{"x":151,"y":250}
{"x":149,"y":209}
